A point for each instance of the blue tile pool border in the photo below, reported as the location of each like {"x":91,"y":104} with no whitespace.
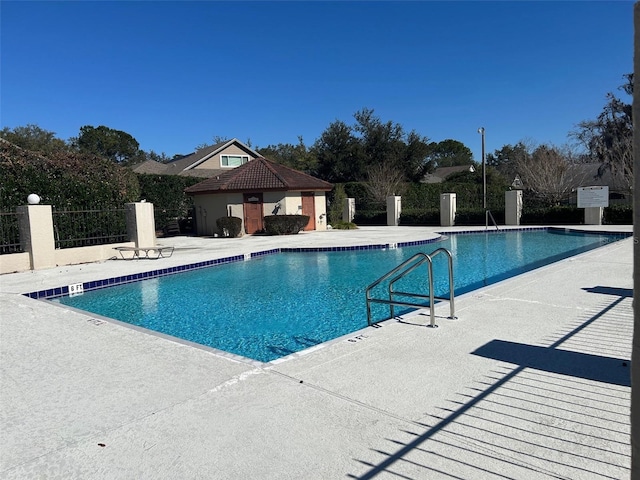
{"x":62,"y":291}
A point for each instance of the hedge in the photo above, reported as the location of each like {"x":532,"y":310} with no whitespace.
{"x":166,"y":192}
{"x":66,"y":180}
{"x":229,"y":226}
{"x":285,"y":224}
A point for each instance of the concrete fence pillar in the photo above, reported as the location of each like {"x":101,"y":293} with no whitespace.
{"x":512,"y":207}
{"x":141,"y":226}
{"x":36,"y":235}
{"x":349,"y":210}
{"x":593,"y":215}
{"x":447,"y":209}
{"x":394,"y":208}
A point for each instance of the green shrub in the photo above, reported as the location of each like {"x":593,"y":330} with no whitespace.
{"x":336,"y":203}
{"x":370,"y":217}
{"x":66,"y":180}
{"x":618,"y":215}
{"x":552,"y":216}
{"x":416,"y":216}
{"x":285,"y":224}
{"x":359,"y":192}
{"x":478,"y":217}
{"x":341,"y":225}
{"x":229,"y":226}
{"x":171,"y":204}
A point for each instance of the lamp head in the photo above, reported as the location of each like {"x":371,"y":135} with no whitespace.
{"x":481,"y":130}
{"x":33,"y":199}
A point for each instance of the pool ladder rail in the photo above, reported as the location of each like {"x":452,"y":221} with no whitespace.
{"x":401,"y":271}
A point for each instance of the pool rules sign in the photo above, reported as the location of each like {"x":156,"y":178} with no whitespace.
{"x":589,"y":197}
{"x":593,"y":200}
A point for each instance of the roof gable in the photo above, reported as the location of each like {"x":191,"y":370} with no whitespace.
{"x":191,"y":161}
{"x":259,"y":175}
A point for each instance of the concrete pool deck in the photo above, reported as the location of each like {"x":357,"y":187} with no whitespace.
{"x":530,"y":382}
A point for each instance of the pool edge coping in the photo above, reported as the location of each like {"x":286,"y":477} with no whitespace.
{"x":81,"y":287}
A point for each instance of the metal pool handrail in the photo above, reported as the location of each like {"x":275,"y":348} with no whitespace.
{"x":402,"y":270}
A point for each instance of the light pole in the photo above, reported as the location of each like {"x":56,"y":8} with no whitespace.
{"x":484,"y":181}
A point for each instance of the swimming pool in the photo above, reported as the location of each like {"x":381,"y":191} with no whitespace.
{"x":275,"y":305}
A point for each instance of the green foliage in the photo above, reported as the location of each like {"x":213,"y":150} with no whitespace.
{"x":64,"y":179}
{"x":359,"y":192}
{"x":423,"y":196}
{"x":370,"y":217}
{"x":609,"y":138}
{"x":448,"y":153}
{"x":342,"y":225}
{"x":346,"y":152}
{"x":552,"y":216}
{"x":618,"y":215}
{"x":336,"y":205}
{"x":106,"y":142}
{"x":416,"y":216}
{"x":32,"y":137}
{"x":229,"y":226}
{"x":285,"y":224}
{"x":477,"y":216}
{"x":506,"y":159}
{"x":167,"y":191}
{"x":298,"y":157}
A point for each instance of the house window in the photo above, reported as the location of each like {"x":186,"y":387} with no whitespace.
{"x":233,"y":160}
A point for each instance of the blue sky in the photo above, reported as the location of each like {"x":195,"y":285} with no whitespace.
{"x":176,"y":74}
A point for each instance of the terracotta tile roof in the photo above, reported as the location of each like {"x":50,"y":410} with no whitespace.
{"x":259,"y":175}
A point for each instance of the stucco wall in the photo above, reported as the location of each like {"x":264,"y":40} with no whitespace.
{"x":15,"y":262}
{"x":214,"y":161}
{"x":95,"y":253}
{"x":208,"y":208}
{"x":270,"y":202}
{"x":218,"y":205}
{"x":321,"y":211}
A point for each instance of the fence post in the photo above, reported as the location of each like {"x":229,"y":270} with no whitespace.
{"x":394,"y":208}
{"x":512,"y":207}
{"x":141,"y":225}
{"x":36,"y":235}
{"x":448,"y":208}
{"x":348,"y":209}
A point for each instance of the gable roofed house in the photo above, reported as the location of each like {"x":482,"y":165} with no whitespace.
{"x":257,"y":189}
{"x":204,"y":163}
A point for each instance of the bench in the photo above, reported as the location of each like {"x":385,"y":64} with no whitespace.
{"x":152,"y":253}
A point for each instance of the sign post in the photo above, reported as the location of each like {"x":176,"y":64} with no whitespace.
{"x":593,"y":200}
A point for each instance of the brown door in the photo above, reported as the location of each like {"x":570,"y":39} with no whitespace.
{"x":253,"y":212}
{"x":309,"y":208}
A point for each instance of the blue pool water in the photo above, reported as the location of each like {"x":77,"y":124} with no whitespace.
{"x":275,"y":305}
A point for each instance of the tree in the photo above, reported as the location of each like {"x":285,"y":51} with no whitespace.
{"x":345,"y":153}
{"x":155,"y":156}
{"x":547,"y":173}
{"x":609,"y":138}
{"x":448,"y":153}
{"x":383,"y":180}
{"x":297,"y":156}
{"x":507,"y":158}
{"x":216,"y":139}
{"x":32,"y":137}
{"x":339,"y":154}
{"x":115,"y":145}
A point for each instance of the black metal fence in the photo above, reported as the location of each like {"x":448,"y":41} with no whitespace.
{"x":10,"y":233}
{"x":173,"y":221}
{"x":82,"y":228}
